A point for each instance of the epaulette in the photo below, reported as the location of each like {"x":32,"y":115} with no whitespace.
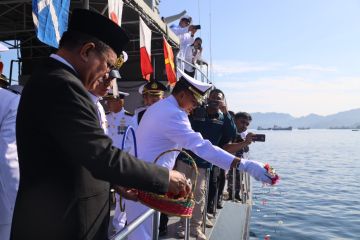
{"x":129,"y":113}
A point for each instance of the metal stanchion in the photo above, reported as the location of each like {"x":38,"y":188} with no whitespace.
{"x":233,"y":184}
{"x":156,"y":219}
{"x":242,"y":186}
{"x":207,"y":173}
{"x":216,"y":197}
{"x":187,"y":229}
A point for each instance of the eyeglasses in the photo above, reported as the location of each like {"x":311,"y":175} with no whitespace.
{"x":106,"y":79}
{"x":110,"y":66}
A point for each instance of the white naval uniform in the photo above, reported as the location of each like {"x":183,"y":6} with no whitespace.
{"x":100,"y":111}
{"x":184,"y":37}
{"x":134,"y":121}
{"x":117,"y":124}
{"x":166,"y":126}
{"x":9,"y":164}
{"x":191,"y":56}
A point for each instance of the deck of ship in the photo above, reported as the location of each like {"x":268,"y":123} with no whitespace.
{"x":231,"y":223}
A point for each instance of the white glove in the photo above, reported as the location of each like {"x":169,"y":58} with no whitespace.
{"x":256,"y":170}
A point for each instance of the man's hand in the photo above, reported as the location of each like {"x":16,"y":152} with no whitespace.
{"x":178,"y":183}
{"x":192,"y":29}
{"x":131,"y":194}
{"x":256,"y":170}
{"x":223,"y":108}
{"x":249,"y":138}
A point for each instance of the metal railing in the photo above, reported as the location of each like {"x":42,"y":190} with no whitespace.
{"x":245,"y":188}
{"x":136,"y":223}
{"x":128,"y":229}
{"x":199,"y":72}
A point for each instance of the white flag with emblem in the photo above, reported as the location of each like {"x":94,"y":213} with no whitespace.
{"x":115,"y":10}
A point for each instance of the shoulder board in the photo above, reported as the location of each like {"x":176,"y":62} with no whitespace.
{"x":129,"y":113}
{"x":13,"y":91}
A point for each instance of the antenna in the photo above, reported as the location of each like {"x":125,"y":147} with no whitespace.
{"x":199,"y":15}
{"x":210,"y":43}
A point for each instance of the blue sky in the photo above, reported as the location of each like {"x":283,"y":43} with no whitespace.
{"x":294,"y":56}
{"x":291,"y":56}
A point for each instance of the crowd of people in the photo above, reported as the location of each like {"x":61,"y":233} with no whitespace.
{"x":64,"y":166}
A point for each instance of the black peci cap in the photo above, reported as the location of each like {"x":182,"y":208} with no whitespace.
{"x":99,"y":26}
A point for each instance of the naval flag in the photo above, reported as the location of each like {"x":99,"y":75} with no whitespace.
{"x":169,"y":63}
{"x":115,"y":10}
{"x":50,"y":19}
{"x":145,"y":50}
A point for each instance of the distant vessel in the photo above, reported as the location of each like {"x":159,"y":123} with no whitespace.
{"x":281,"y":128}
{"x":261,"y":128}
{"x":303,"y":128}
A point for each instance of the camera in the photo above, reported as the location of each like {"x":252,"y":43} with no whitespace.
{"x":197,"y":27}
{"x":259,"y":138}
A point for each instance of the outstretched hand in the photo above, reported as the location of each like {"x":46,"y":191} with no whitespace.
{"x":260,"y":171}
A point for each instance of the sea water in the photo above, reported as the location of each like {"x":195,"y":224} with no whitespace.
{"x":318,"y":196}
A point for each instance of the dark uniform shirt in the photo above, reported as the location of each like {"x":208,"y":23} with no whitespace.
{"x":241,"y":152}
{"x":218,"y":128}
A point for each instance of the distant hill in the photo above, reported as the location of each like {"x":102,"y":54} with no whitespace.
{"x":348,"y":119}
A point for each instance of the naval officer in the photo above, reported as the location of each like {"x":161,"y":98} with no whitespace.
{"x":165,"y":125}
{"x":67,"y":162}
{"x":99,"y":91}
{"x":151,"y":92}
{"x":9,"y":165}
{"x":118,"y":120}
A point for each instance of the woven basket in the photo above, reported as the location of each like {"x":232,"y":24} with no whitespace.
{"x":181,"y":207}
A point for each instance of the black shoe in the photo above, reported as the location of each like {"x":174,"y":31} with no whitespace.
{"x":219,"y":205}
{"x":237,"y":196}
{"x":230,"y":196}
{"x":162,"y":232}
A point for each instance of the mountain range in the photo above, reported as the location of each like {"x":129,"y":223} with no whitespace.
{"x":346,"y":119}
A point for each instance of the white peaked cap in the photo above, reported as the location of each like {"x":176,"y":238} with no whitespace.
{"x":3,"y":48}
{"x":199,"y":86}
{"x":126,"y":57}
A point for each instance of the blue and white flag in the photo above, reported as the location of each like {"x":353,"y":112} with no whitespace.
{"x":50,"y":20}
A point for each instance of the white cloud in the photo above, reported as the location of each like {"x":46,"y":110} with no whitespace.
{"x":277,"y":87}
{"x":292,"y":94}
{"x":309,"y":67}
{"x":233,"y":67}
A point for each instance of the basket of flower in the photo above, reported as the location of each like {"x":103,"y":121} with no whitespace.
{"x":180,"y":205}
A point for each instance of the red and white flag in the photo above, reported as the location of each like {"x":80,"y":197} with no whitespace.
{"x":115,"y":10}
{"x":145,"y":50}
{"x":169,"y":63}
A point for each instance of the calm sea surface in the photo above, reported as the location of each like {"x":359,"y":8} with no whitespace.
{"x":318,"y":196}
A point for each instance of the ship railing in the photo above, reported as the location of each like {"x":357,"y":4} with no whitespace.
{"x":201,"y":70}
{"x":245,"y":187}
{"x":142,"y":218}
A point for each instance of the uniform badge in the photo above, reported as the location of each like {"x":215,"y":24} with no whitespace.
{"x":154,"y":86}
{"x":122,"y":127}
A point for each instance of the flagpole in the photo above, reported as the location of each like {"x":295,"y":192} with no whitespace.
{"x":86,"y":4}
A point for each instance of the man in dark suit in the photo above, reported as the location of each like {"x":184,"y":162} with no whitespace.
{"x":66,"y":160}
